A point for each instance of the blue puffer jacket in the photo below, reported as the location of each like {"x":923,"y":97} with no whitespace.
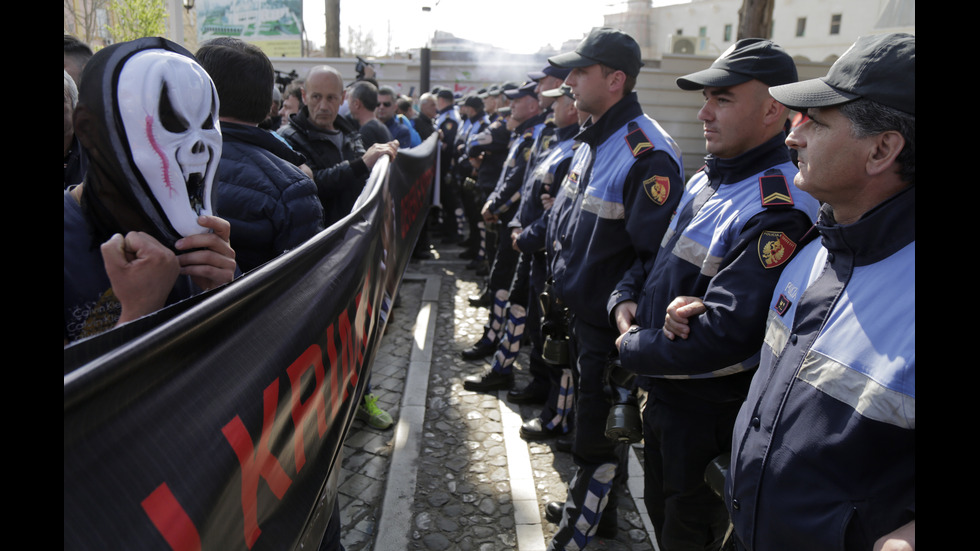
{"x":271,"y":205}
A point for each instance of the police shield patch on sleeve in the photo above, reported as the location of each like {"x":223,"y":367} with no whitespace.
{"x":546,"y":142}
{"x":657,"y":188}
{"x":775,"y":248}
{"x":775,"y":189}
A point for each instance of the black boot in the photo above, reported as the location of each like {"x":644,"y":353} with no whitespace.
{"x":481,"y":349}
{"x":531,"y":394}
{"x":483,"y":300}
{"x":534,"y":430}
{"x":608,"y":523}
{"x":490,"y":380}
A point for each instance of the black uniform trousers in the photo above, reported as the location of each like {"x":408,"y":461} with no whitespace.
{"x":601,"y":462}
{"x":680,"y":439}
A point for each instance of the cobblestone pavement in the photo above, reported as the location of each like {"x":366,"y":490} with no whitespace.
{"x":453,"y":473}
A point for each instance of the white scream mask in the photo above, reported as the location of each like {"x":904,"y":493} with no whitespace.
{"x":169,"y":109}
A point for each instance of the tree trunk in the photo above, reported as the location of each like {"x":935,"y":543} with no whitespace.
{"x":755,"y":19}
{"x":85,"y":21}
{"x":332,"y":43}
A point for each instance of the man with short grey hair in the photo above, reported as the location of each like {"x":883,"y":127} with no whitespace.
{"x":825,"y":443}
{"x":425,"y":121}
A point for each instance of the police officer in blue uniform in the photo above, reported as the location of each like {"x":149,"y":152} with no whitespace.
{"x":448,"y":122}
{"x":824,"y":454}
{"x":550,"y":168}
{"x":479,"y":159}
{"x":491,"y":99}
{"x":739,"y":222}
{"x":499,"y":209}
{"x":549,"y":78}
{"x":614,"y":205}
{"x":497,"y":134}
{"x":537,"y":390}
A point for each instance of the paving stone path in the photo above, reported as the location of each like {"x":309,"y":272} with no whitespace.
{"x":453,"y":473}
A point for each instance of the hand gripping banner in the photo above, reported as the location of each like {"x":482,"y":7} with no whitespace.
{"x":217,"y":423}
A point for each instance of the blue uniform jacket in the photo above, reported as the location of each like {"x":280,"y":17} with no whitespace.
{"x":506,"y":196}
{"x":447,"y":121}
{"x":543,"y":140}
{"x":729,"y":254}
{"x":613,"y":206}
{"x":490,"y":144}
{"x":824,"y":447}
{"x":545,"y":177}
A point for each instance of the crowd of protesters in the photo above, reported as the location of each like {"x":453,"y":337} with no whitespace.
{"x":761,"y":314}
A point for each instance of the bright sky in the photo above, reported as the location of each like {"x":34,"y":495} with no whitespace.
{"x":516,"y":25}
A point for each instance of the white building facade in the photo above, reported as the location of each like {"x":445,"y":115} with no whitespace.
{"x":810,"y":30}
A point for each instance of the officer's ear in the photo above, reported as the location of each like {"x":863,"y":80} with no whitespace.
{"x":774,"y":113}
{"x":885,"y":149}
{"x":616,"y":80}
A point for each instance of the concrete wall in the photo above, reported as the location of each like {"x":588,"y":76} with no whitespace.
{"x":675,"y":109}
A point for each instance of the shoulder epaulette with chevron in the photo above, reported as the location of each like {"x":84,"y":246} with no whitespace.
{"x":774,"y":189}
{"x":637,"y":140}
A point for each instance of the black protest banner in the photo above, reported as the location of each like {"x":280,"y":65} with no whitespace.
{"x":217,"y":423}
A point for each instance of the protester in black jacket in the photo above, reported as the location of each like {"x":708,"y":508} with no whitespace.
{"x":330,"y":144}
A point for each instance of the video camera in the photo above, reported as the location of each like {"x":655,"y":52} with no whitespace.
{"x":361,"y":66}
{"x":283,"y":79}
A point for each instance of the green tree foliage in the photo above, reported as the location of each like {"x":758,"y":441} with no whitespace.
{"x":132,"y":19}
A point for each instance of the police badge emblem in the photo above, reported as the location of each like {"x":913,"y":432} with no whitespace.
{"x":775,"y":248}
{"x":657,"y":189}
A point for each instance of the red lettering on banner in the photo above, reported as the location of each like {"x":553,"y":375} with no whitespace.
{"x":347,"y":354}
{"x":367,"y":305}
{"x":259,"y":462}
{"x":171,"y":520}
{"x":334,"y":374}
{"x":311,"y":358}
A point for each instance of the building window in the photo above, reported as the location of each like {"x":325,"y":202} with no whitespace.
{"x":728,"y":33}
{"x":800,"y":26}
{"x":835,"y":24}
